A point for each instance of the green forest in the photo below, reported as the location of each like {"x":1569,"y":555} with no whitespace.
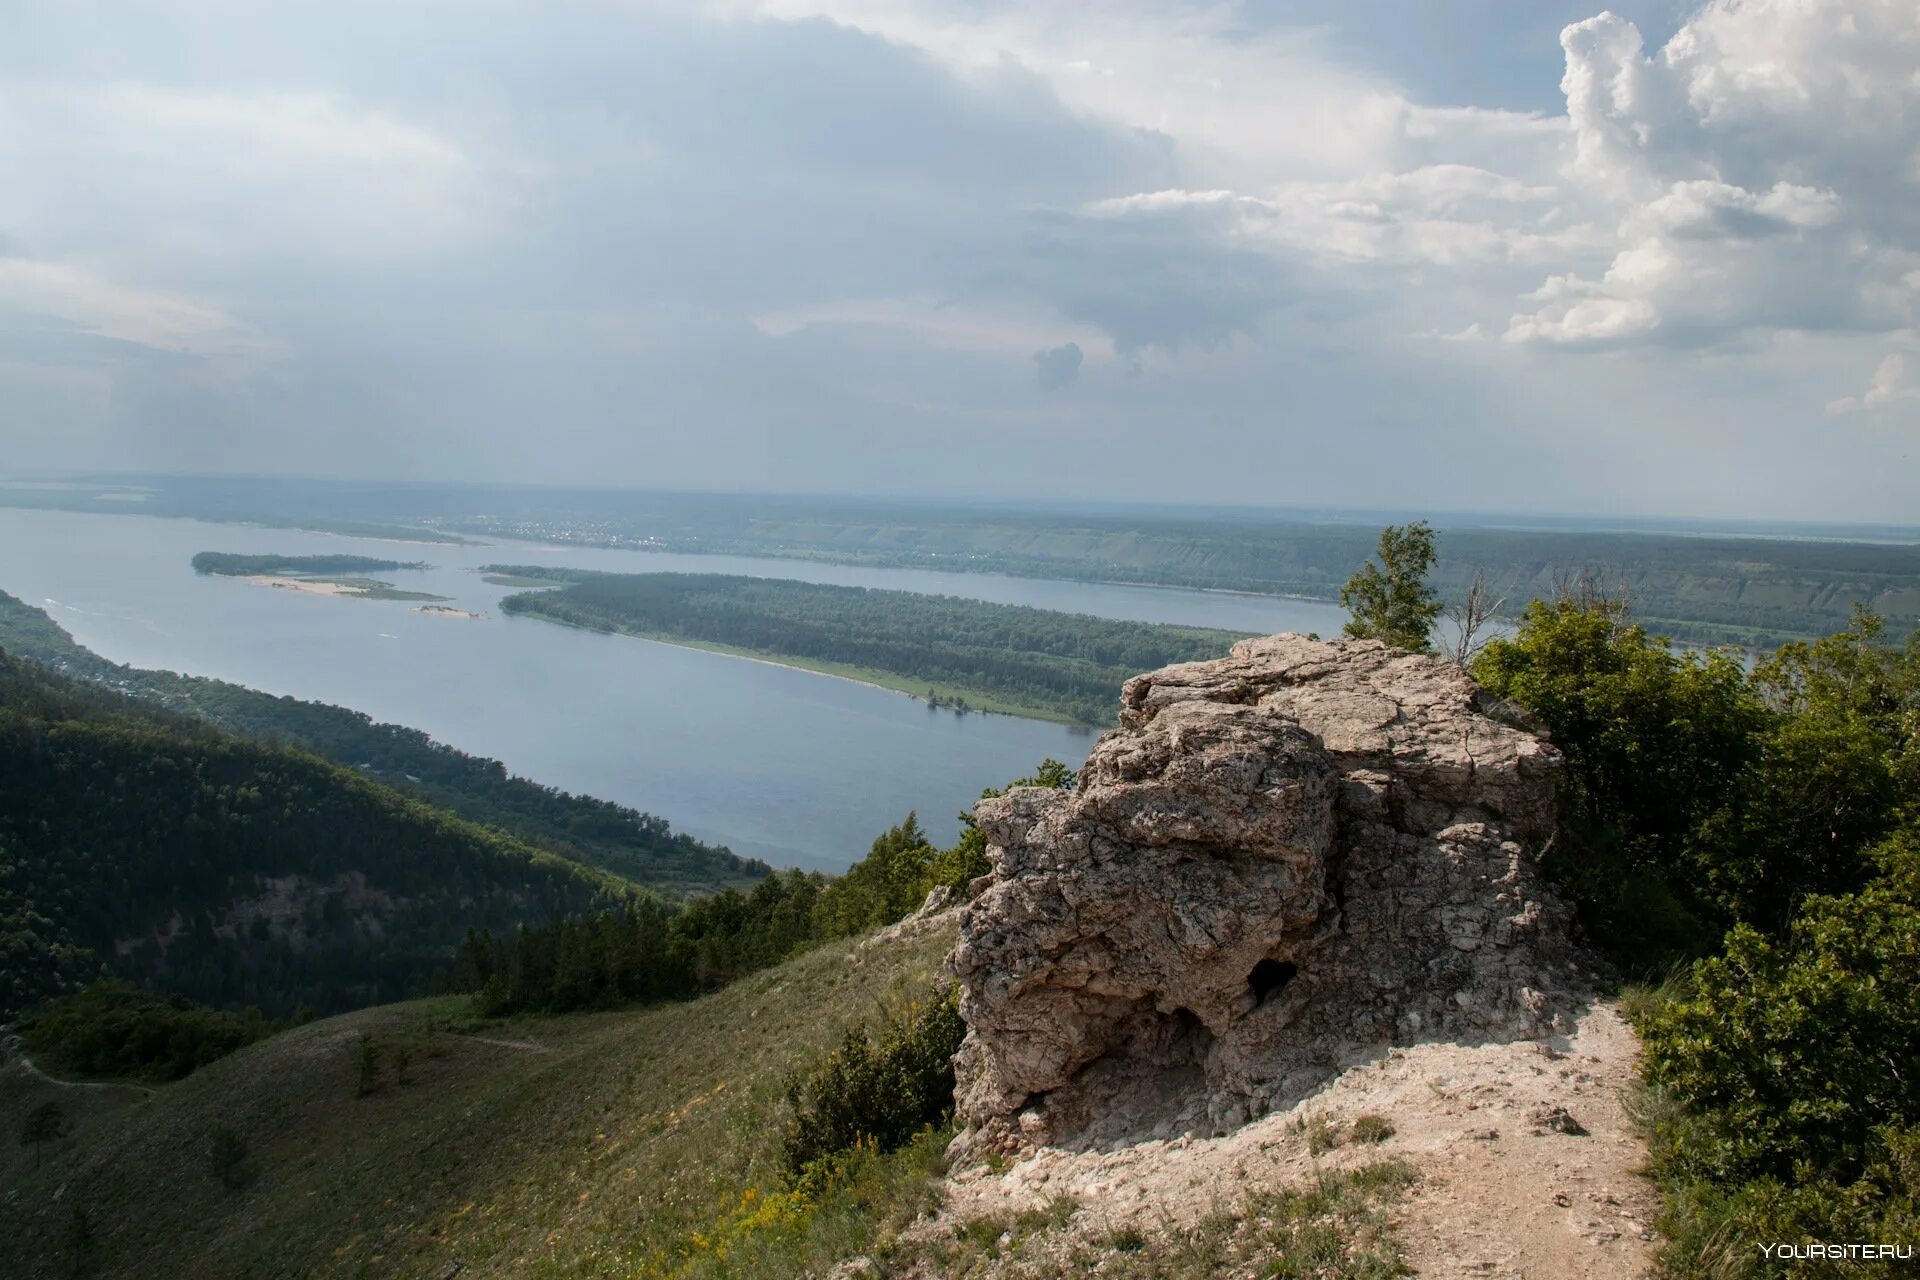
{"x":646,"y":951}
{"x":637,"y":846}
{"x":967,"y":653}
{"x":233,"y":565}
{"x":236,"y":873}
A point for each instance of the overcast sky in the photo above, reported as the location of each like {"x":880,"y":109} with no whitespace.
{"x":1511,"y":254}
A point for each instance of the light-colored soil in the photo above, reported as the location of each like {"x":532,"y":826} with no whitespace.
{"x":1501,"y":1194}
{"x":306,"y":586}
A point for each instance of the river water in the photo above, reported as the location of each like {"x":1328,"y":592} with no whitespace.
{"x":797,"y":768}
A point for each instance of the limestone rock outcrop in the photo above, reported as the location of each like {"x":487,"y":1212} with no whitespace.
{"x":1280,"y":863}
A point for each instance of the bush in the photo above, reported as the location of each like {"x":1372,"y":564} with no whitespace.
{"x":1372,"y":1128}
{"x":1797,"y":1112}
{"x":879,"y":1092}
{"x":1654,"y":742}
{"x":113,"y":1029}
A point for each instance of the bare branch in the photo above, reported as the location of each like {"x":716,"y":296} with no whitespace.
{"x":1473,"y":618}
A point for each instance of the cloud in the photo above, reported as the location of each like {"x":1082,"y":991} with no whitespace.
{"x":1890,"y":383}
{"x":827,"y":243}
{"x":1441,"y":214}
{"x":1752,"y":168}
{"x":1057,"y":368}
{"x":86,"y":302}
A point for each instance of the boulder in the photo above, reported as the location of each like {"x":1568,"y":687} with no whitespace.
{"x":1280,"y":863}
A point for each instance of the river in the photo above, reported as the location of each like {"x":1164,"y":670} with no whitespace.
{"x":797,"y":768}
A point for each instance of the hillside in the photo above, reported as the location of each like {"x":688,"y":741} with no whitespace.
{"x":1697,"y":586}
{"x":647,"y":1144}
{"x":1694,"y":583}
{"x":637,"y":846}
{"x":580,"y":1145}
{"x":232,"y":871}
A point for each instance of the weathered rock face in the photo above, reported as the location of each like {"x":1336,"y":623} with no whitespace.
{"x":1280,"y":863}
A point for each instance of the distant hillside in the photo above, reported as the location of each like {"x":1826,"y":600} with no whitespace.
{"x":1758,"y":591}
{"x":590,"y":1144}
{"x":230,"y":871}
{"x":1691,"y":582}
{"x":631,"y":844}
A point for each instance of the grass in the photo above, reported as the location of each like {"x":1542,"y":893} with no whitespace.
{"x":629,"y":1143}
{"x":1334,"y":1227}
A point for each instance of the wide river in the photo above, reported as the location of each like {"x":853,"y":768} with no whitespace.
{"x":797,"y":768}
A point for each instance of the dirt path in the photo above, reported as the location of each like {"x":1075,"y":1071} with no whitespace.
{"x":1506,"y":1190}
{"x":13,"y":1056}
{"x":523,"y":1046}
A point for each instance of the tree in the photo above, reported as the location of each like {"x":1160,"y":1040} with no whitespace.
{"x":45,"y":1123}
{"x":1656,"y":745}
{"x":227,"y":1157}
{"x":367,"y":1057}
{"x":79,"y":1239}
{"x":1473,"y":617}
{"x":1391,"y":601}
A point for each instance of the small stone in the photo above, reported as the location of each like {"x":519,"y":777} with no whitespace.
{"x":1556,"y":1119}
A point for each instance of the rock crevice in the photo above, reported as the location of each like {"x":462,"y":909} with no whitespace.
{"x":1280,"y":863}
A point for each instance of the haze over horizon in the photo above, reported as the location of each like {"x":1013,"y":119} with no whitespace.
{"x":1510,"y":257}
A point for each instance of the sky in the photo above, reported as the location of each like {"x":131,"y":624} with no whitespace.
{"x":1515,"y":255}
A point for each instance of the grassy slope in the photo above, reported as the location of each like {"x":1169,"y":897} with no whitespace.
{"x":619,"y":1134}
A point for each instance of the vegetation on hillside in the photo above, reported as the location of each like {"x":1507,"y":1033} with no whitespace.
{"x":878,"y":1091}
{"x":638,"y":846}
{"x":233,"y":872}
{"x":114,"y":1030}
{"x":643,"y":1143}
{"x":233,"y":565}
{"x":998,"y":657}
{"x":1764,"y":826}
{"x":645,"y":952}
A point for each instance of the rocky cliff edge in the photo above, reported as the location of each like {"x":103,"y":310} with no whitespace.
{"x":1281,"y":863}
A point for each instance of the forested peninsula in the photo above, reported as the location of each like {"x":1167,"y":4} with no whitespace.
{"x":967,"y":654}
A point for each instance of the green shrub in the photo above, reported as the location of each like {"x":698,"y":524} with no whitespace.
{"x":113,"y":1029}
{"x":877,"y":1092}
{"x":1796,"y":1111}
{"x":1654,"y":743}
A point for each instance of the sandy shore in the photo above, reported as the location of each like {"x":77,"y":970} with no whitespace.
{"x":310,"y":586}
